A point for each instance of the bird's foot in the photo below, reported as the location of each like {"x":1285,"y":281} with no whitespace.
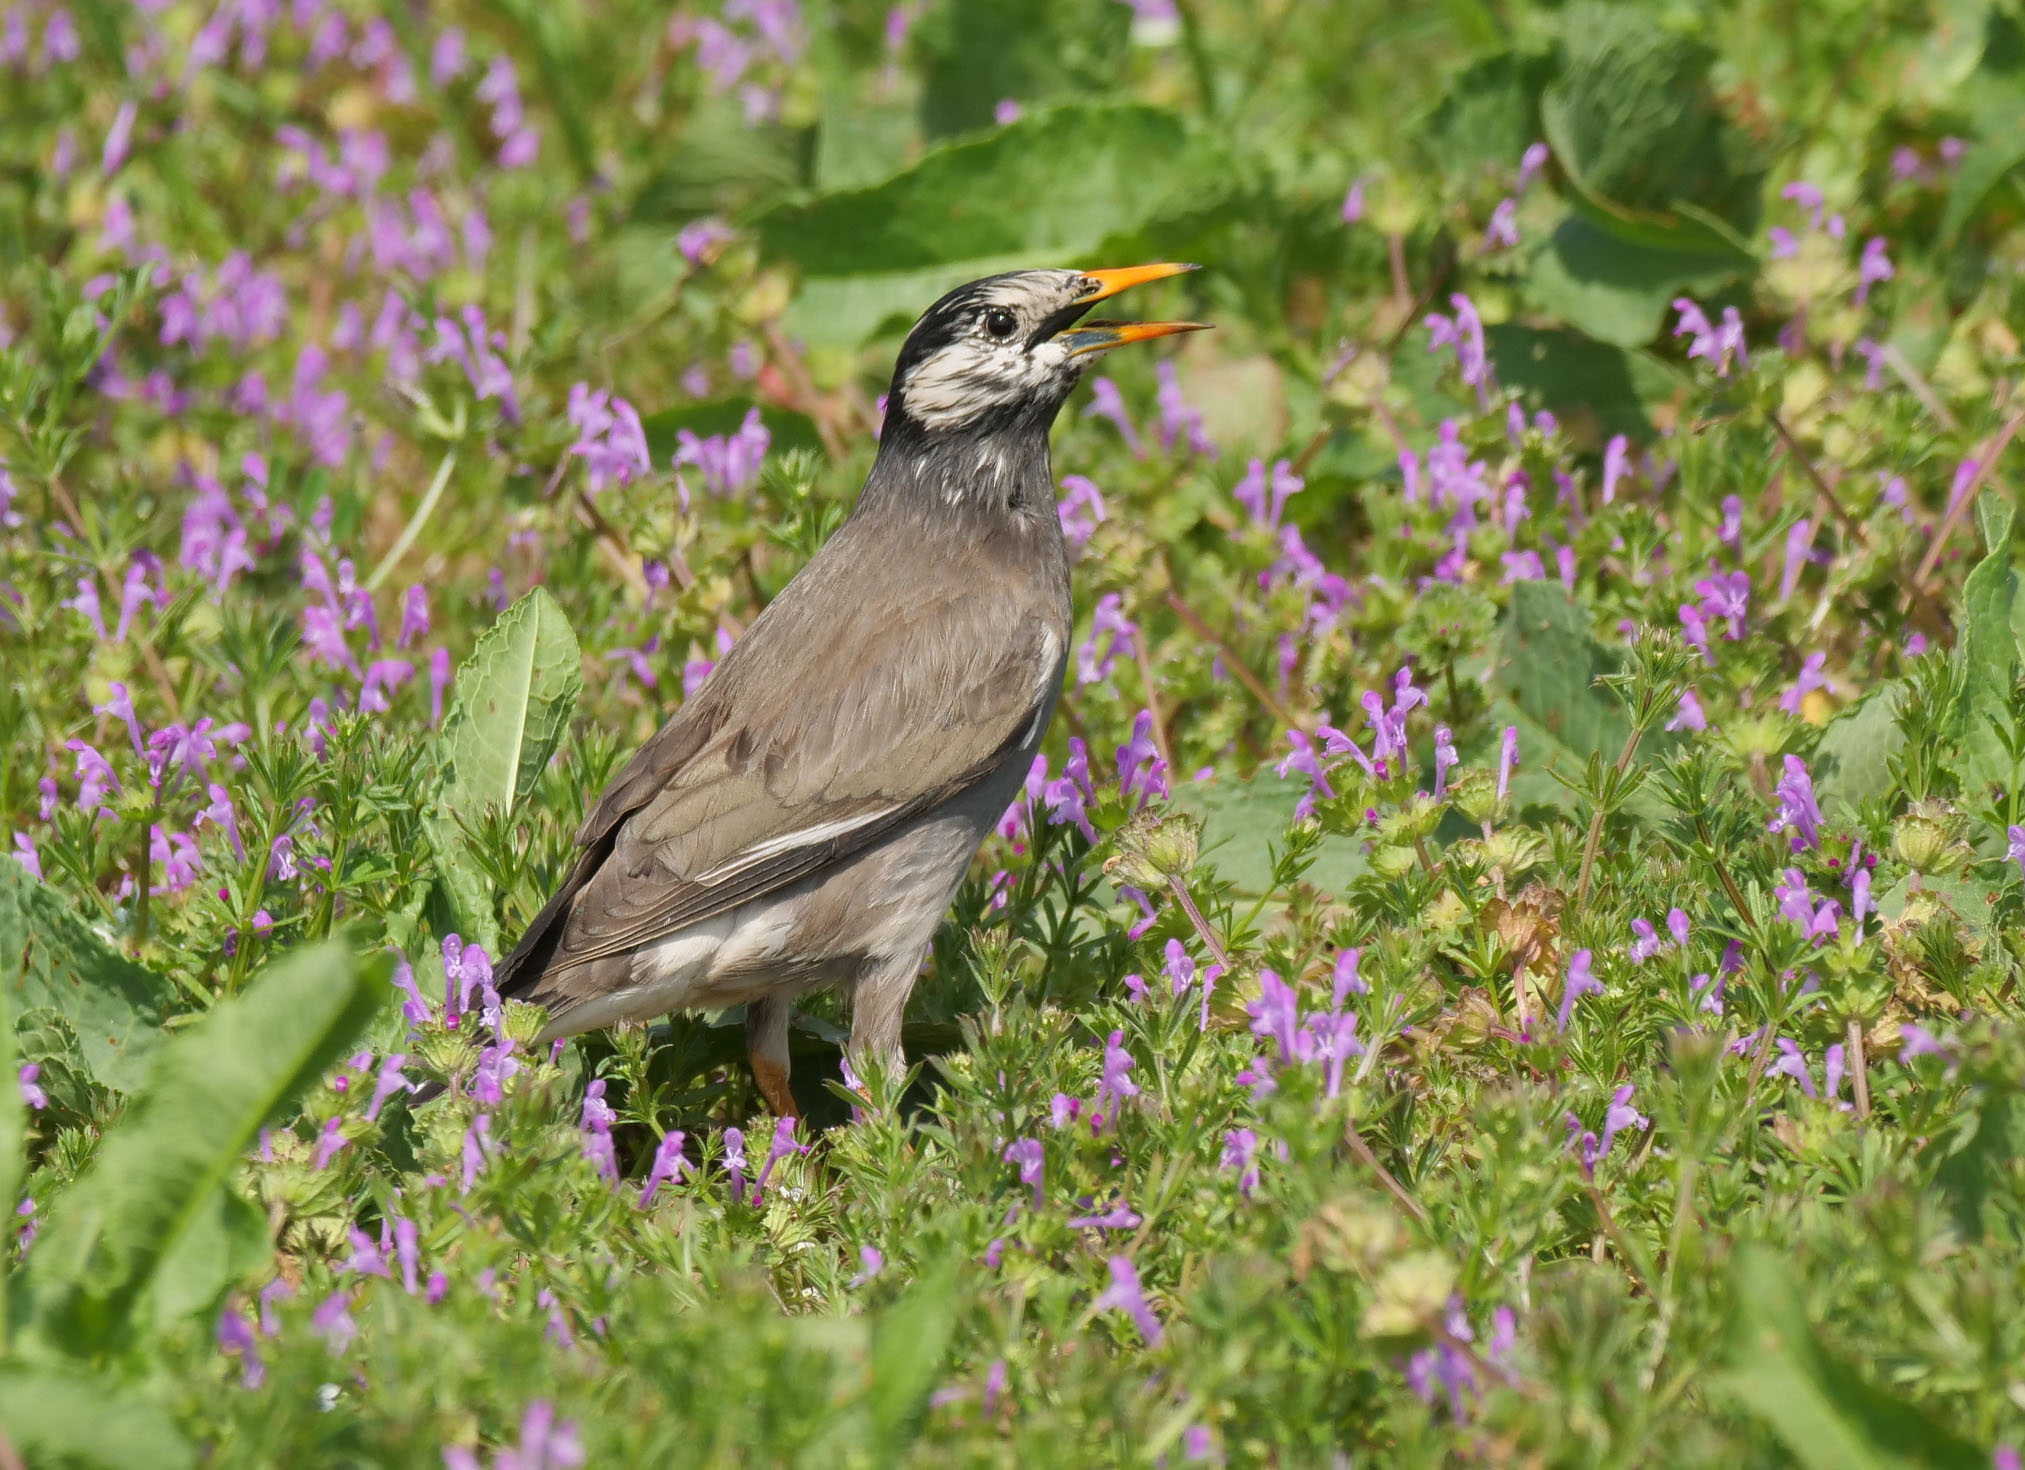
{"x":772,"y":1077}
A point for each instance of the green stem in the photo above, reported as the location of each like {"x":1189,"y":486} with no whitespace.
{"x":1595,"y":837}
{"x":415,"y":523}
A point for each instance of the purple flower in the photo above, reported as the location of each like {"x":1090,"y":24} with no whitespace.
{"x":31,"y":1093}
{"x":1068,"y":796}
{"x":1645,"y":941}
{"x":334,"y":1321}
{"x":783,"y":1145}
{"x":1811,"y":678}
{"x":1715,"y":344}
{"x":1616,"y":465}
{"x":235,"y":1337}
{"x":1179,"y":420}
{"x":1116,"y":1085}
{"x":25,"y":853}
{"x":1689,"y":715}
{"x":1353,"y":201}
{"x":1503,"y":231}
{"x":700,"y":238}
{"x":871,"y":1261}
{"x":1240,"y":1152}
{"x":1464,"y":332}
{"x":1031,"y":1159}
{"x":1120,"y":1216}
{"x":1508,"y":756}
{"x":1531,"y":162}
{"x":1797,"y":809}
{"x":734,"y":1162}
{"x":1581,"y":981}
{"x":117,"y":138}
{"x":1444,"y":758}
{"x":1265,"y":493}
{"x":1347,"y":980}
{"x":1107,"y":403}
{"x":669,"y":1166}
{"x":1178,"y":966}
{"x":1124,"y":1294}
{"x":1108,"y":623}
{"x":1621,"y":1115}
{"x":1307,"y":762}
{"x":390,"y":1083}
{"x":1792,"y":1063}
{"x":1874,"y":268}
{"x":1275,"y":1014}
{"x":2016,"y":850}
{"x":610,"y":439}
{"x":1081,"y":510}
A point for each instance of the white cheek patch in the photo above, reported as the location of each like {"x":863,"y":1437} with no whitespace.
{"x":968,"y":378}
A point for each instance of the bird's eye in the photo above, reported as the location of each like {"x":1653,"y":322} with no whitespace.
{"x":1000,"y":322}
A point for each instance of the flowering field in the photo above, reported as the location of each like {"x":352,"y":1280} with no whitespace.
{"x":1511,"y":956}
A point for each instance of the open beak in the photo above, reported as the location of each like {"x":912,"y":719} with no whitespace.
{"x":1102,"y":336}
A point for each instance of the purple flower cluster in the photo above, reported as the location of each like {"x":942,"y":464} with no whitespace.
{"x":1325,"y":1037}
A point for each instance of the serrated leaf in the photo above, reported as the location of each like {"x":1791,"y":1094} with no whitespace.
{"x":1489,"y":115}
{"x":513,"y":701}
{"x":59,"y":1416}
{"x":160,"y":1172}
{"x":1988,"y":652}
{"x":1824,"y":1411}
{"x":1852,"y":763}
{"x":1548,"y":664}
{"x":49,"y":958}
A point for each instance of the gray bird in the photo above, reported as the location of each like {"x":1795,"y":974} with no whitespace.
{"x":804,"y":819}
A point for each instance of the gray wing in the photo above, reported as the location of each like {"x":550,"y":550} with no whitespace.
{"x":840,"y":716}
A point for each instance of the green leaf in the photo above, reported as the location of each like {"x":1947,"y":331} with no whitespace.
{"x":158,"y":1175}
{"x":1825,"y":1412}
{"x":1986,"y":165}
{"x":57,"y":1416}
{"x":1588,"y":385}
{"x":513,"y":701}
{"x":726,"y":164}
{"x":1489,"y":115}
{"x":1980,"y":1154}
{"x":977,"y":52}
{"x":1243,"y":822}
{"x":50,"y":958}
{"x":1989,"y":653}
{"x":1051,"y":188}
{"x":1548,"y":664}
{"x":1617,"y":290}
{"x":1852,"y":761}
{"x":909,"y":1347}
{"x":1637,"y":128}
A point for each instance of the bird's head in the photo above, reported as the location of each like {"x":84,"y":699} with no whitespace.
{"x":1004,"y":352}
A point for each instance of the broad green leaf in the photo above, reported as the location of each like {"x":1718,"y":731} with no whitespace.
{"x":726,"y":164}
{"x":909,"y":1346}
{"x":1968,"y":899}
{"x":978,"y":52}
{"x":1592,"y":387}
{"x":1637,"y":128}
{"x":59,"y":1416}
{"x":159,"y":1173}
{"x":1852,"y":762}
{"x":1986,"y":165}
{"x":51,"y":959}
{"x":1243,"y":822}
{"x":1617,"y":290}
{"x":1548,"y":664}
{"x":1989,"y":653}
{"x":1049,"y":189}
{"x":513,"y":701}
{"x":1982,"y":1157}
{"x":1826,"y":1413}
{"x":1489,"y":115}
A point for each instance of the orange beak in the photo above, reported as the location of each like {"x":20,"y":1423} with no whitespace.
{"x":1103,"y":336}
{"x":1111,"y":282}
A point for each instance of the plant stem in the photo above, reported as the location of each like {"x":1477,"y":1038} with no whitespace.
{"x":415,"y":523}
{"x":1595,"y":837}
{"x":1187,"y":902}
{"x":1369,"y":1160}
{"x":1859,"y":1067}
{"x":1239,"y":669}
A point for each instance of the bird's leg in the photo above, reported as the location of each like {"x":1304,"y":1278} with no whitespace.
{"x":766,"y":1040}
{"x":878,"y":1003}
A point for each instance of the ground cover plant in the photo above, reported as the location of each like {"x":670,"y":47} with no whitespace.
{"x":1511,"y":957}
